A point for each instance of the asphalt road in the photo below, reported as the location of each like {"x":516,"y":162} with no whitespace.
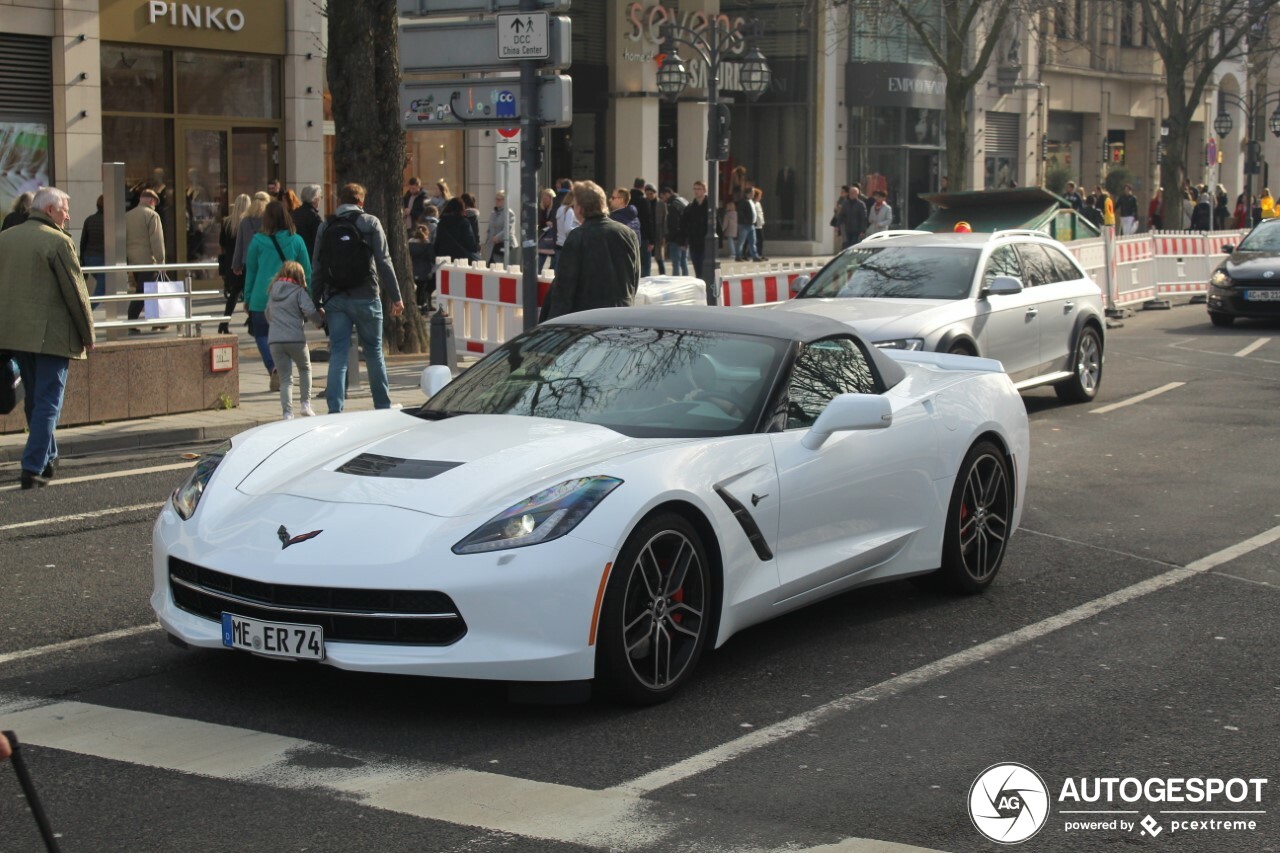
{"x":1131,"y":633}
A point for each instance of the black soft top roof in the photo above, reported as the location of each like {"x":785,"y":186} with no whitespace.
{"x":787,"y":325}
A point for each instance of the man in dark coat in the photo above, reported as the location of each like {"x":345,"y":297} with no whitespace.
{"x":648,"y":234}
{"x":855,"y":216}
{"x":307,"y":218}
{"x":695,"y":229}
{"x":600,"y":264}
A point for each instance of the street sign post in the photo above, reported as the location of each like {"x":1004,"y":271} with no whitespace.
{"x":478,"y":46}
{"x":440,"y":8}
{"x":523,"y":36}
{"x":483,"y":104}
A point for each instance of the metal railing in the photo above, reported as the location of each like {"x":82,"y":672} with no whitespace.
{"x":187,"y":325}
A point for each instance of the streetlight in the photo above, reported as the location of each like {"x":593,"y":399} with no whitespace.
{"x":711,"y":45}
{"x":1252,"y":109}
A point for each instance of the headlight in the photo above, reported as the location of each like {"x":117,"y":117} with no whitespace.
{"x":1220,"y":279}
{"x":187,"y":496}
{"x":902,"y":343}
{"x":549,"y":514}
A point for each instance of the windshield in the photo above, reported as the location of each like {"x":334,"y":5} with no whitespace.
{"x":1264,"y":238}
{"x":897,"y":272}
{"x":639,"y":382}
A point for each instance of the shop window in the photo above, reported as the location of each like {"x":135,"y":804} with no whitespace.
{"x":240,"y":86}
{"x":136,"y":79}
{"x":145,"y":146}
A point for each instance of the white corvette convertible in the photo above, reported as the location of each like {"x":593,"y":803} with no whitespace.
{"x":601,"y":499}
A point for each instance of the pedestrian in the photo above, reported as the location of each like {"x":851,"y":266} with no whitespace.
{"x":677,"y":237}
{"x":756,"y":195}
{"x":600,"y":264}
{"x":727,"y":220}
{"x":1072,"y":195}
{"x":1242,"y":211}
{"x":501,"y":223}
{"x":352,"y":273}
{"x":144,"y":245}
{"x":470,"y":213}
{"x":1188,"y":207}
{"x":1127,"y":207}
{"x":1108,"y":209}
{"x":422,"y":255}
{"x":837,"y":216}
{"x":431,"y":221}
{"x":232,"y":281}
{"x":566,"y":221}
{"x":636,"y":198}
{"x":746,"y":211}
{"x":250,"y":224}
{"x":276,"y":190}
{"x":442,"y":195}
{"x":291,"y":201}
{"x":623,"y":211}
{"x":1092,"y":213}
{"x":93,"y":246}
{"x":307,"y":217}
{"x":1202,"y":214}
{"x":414,"y":202}
{"x":289,"y":307}
{"x":18,"y":212}
{"x":276,"y":243}
{"x":1267,"y":204}
{"x":657,"y":211}
{"x":1155,"y":211}
{"x":546,"y":226}
{"x":855,"y":218}
{"x":45,"y":323}
{"x":695,"y":228}
{"x":454,"y":237}
{"x":880,"y":216}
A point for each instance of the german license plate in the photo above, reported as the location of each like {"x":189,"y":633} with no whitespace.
{"x":1262,"y":295}
{"x":277,"y":639}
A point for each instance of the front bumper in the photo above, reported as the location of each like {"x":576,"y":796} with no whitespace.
{"x":1231,"y":301}
{"x":525,"y":614}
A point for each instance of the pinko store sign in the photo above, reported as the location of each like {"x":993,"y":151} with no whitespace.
{"x":248,"y":26}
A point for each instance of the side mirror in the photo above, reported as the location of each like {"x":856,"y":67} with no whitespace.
{"x":1228,"y":248}
{"x":1004,"y":285}
{"x":849,"y":412}
{"x":798,"y":284}
{"x":434,"y":378}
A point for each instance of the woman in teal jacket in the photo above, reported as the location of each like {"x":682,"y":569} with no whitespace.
{"x":276,"y":243}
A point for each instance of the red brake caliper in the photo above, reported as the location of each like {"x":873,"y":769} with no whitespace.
{"x":676,"y":598}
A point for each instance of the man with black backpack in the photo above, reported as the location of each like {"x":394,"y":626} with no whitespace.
{"x":351,"y":262}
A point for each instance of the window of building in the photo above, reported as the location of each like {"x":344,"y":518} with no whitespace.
{"x":26,"y":116}
{"x":887,"y":37}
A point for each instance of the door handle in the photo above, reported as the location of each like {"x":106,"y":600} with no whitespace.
{"x":1031,"y":312}
{"x":1068,"y":307}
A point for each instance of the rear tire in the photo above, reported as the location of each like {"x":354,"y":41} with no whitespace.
{"x":1086,"y":369}
{"x":979,"y":518}
{"x":656,"y":619}
{"x":960,"y":349}
{"x":1219,"y":319}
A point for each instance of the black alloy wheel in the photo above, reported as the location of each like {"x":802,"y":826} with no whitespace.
{"x":978,"y":520}
{"x":656,"y":616}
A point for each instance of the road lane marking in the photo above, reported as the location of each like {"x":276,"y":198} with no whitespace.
{"x":1147,"y":395}
{"x":71,"y":645}
{"x":1253,"y":347}
{"x":81,"y":516}
{"x":109,"y":475}
{"x":803,"y":722}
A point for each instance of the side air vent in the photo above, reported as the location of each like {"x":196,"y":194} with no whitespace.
{"x":373,"y":465}
{"x":749,"y":526}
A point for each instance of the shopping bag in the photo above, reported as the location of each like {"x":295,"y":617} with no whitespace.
{"x":160,"y":309}
{"x":10,"y":380}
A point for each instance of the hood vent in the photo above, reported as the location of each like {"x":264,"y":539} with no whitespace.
{"x":373,"y":465}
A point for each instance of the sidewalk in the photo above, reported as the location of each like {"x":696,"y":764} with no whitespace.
{"x":258,"y":405}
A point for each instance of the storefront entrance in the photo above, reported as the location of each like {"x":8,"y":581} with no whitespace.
{"x":222,"y":161}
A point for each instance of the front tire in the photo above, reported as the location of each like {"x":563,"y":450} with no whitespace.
{"x":1086,"y":369}
{"x":979,"y":518}
{"x":656,"y":618}
{"x":1217,"y":318}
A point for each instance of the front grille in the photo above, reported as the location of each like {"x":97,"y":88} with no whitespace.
{"x":388,"y":616}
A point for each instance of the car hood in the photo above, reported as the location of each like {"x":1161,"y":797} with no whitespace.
{"x":875,"y":318}
{"x":1251,"y":265}
{"x":450,"y":467}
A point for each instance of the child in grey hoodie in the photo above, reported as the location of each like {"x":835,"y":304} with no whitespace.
{"x":289,"y":306}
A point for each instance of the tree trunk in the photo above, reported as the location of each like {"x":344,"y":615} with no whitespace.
{"x":363,"y":69}
{"x":956,"y":121}
{"x":1173,"y":170}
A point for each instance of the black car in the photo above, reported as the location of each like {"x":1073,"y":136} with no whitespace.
{"x":1247,"y":284}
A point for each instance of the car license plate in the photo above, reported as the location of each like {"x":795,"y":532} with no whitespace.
{"x":277,"y":639}
{"x":1262,"y":295}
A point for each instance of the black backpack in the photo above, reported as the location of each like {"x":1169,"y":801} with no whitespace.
{"x":344,"y":254}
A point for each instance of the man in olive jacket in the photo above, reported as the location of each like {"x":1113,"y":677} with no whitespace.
{"x":46,"y":320}
{"x":600,"y":264}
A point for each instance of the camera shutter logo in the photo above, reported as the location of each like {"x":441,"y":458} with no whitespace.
{"x":1008,"y":803}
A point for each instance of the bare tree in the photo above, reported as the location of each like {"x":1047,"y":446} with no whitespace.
{"x":1193,"y":37}
{"x":363,"y":69}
